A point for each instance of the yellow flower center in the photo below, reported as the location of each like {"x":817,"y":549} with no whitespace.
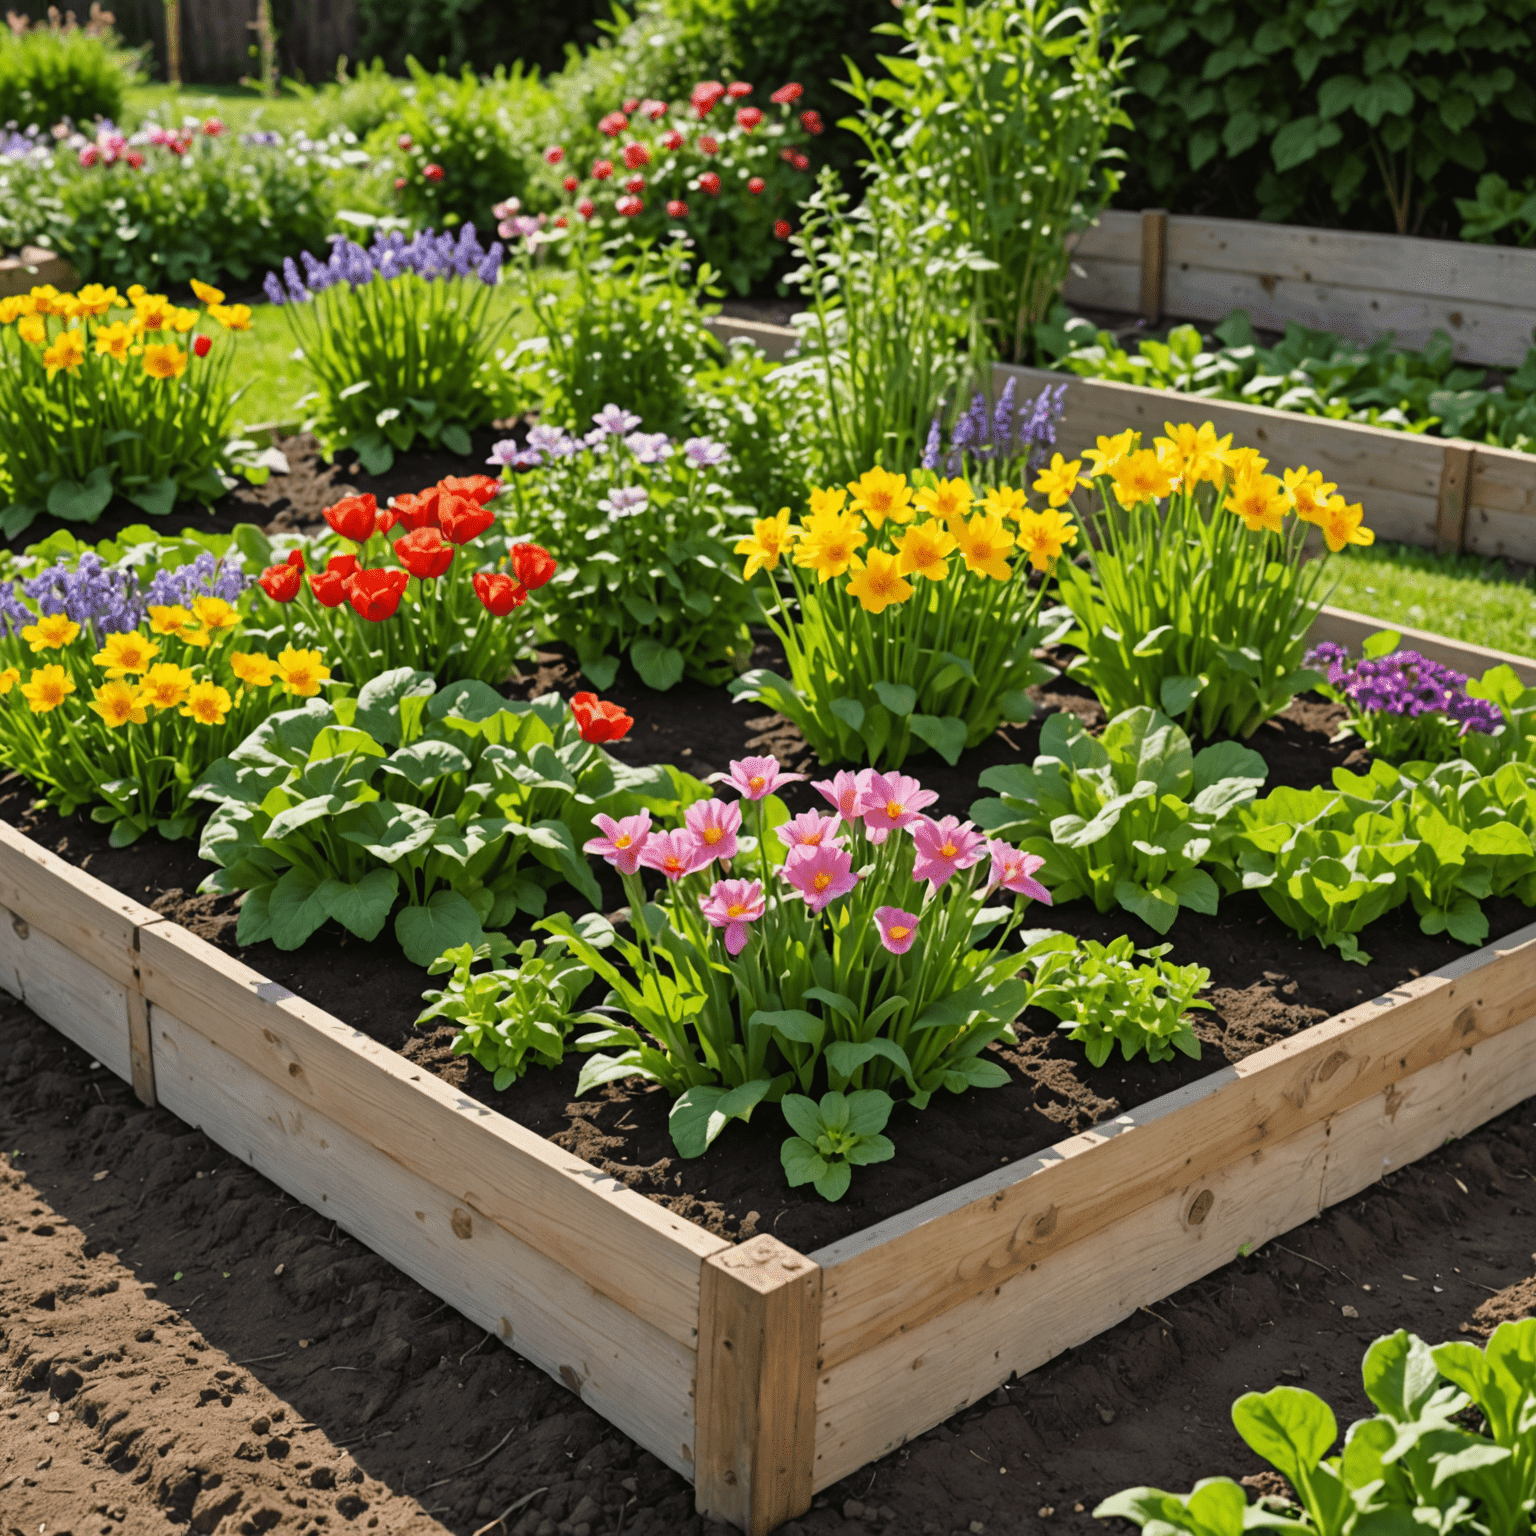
{"x":756,"y":781}
{"x":821,"y":880}
{"x":623,"y":840}
{"x":894,"y":808}
{"x":735,"y":910}
{"x":898,"y":933}
{"x":712,"y":835}
{"x":949,"y":850}
{"x":673,"y":862}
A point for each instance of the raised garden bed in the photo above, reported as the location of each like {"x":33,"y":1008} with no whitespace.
{"x":763,"y":1372}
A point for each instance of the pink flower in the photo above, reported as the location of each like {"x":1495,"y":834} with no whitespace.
{"x":810,"y":829}
{"x":842,"y":791}
{"x":715,"y":823}
{"x":554,"y":155}
{"x":889,"y":802}
{"x":622,"y":842}
{"x":673,"y":854}
{"x":749,"y":117}
{"x":820,"y":875}
{"x":897,"y":928}
{"x":732,"y":905}
{"x":1012,"y":868}
{"x":755,"y":777}
{"x":943,"y":847}
{"x":672,"y":139}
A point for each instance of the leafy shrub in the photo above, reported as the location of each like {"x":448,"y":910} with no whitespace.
{"x":617,"y":327}
{"x":1102,"y":996}
{"x":1415,"y":1465}
{"x":1316,"y":373}
{"x":1321,"y":113}
{"x":103,"y":398}
{"x":1497,"y":207}
{"x":459,"y":146}
{"x":475,"y":32}
{"x":480,"y":809}
{"x":644,"y":527}
{"x":1002,"y":115}
{"x":731,"y":180}
{"x":400,"y":339}
{"x":357,"y":103}
{"x":809,"y":924}
{"x":62,"y":70}
{"x":880,"y":665}
{"x":1196,"y":599}
{"x":1127,"y":818}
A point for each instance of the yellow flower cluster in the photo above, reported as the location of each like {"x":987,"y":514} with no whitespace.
{"x":136,"y":682}
{"x":1190,"y":455}
{"x":832,"y":540}
{"x":86,"y":325}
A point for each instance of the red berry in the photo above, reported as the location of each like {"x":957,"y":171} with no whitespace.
{"x":554,"y":154}
{"x":708,"y":144}
{"x":749,"y":117}
{"x":677,"y":209}
{"x":602,"y":170}
{"x":782,"y":229}
{"x":710,"y":182}
{"x":433,"y":172}
{"x":756,"y":185}
{"x":570,"y":183}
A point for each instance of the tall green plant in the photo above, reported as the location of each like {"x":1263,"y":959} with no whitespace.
{"x":53,"y":70}
{"x":993,"y":123}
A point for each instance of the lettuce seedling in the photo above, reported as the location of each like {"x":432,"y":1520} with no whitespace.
{"x":834,"y":1137}
{"x":1127,"y":818}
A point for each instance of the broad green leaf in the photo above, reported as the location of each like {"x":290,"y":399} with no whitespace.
{"x":74,"y":501}
{"x":802,"y":1163}
{"x":447,"y":920}
{"x":660,"y":666}
{"x":944,"y":733}
{"x":362,"y":908}
{"x":294,"y":909}
{"x":702,"y":1112}
{"x":1290,"y":1428}
{"x":899,"y":698}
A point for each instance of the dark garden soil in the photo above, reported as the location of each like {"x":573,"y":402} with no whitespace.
{"x":185,"y":1348}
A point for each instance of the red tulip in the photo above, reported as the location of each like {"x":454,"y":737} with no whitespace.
{"x":282,"y":582}
{"x":635,"y":184}
{"x":705,"y":95}
{"x":599,"y":721}
{"x":570,"y":183}
{"x":433,"y":172}
{"x":749,"y":117}
{"x":462,"y":519}
{"x":787,"y":93}
{"x":354,"y":518}
{"x":412,"y":511}
{"x":532,"y":565}
{"x":602,"y":170}
{"x":423,"y":553}
{"x":202,"y":346}
{"x":737,"y":89}
{"x":376,"y":594}
{"x":482,"y":489}
{"x":330,"y":585}
{"x":708,"y":144}
{"x":677,"y":209}
{"x":586,"y":207}
{"x":636,"y":155}
{"x":629,"y":206}
{"x":613,"y":124}
{"x":672,"y":139}
{"x":554,"y":154}
{"x":499,"y":593}
{"x":812,"y":123}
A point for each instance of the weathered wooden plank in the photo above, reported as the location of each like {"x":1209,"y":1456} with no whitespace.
{"x":759,"y":1313}
{"x":1395,"y":264}
{"x":80,"y":1001}
{"x":621,"y":1244}
{"x":1353,"y":629}
{"x":898,"y":1275}
{"x":1115,"y":236}
{"x":632,"y":1373}
{"x":1455,"y":487}
{"x":1501,"y":511}
{"x":1154,"y":257}
{"x":1097,"y":283}
{"x":871,"y":1403}
{"x":776,"y":341}
{"x":86,"y":915}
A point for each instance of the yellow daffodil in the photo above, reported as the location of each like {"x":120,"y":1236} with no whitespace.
{"x":170,"y":619}
{"x":924,"y":550}
{"x":214,"y":614}
{"x":50,"y":632}
{"x":163,"y":361}
{"x":1192,"y":454}
{"x":118,"y":702}
{"x":1004,"y":501}
{"x":771,"y":538}
{"x":1141,"y":477}
{"x":9,"y":677}
{"x":983,"y":544}
{"x":1109,"y":453}
{"x":825,"y":502}
{"x":1309,"y":493}
{"x":880,"y":583}
{"x":233,"y":317}
{"x":252,"y":668}
{"x":47,"y":688}
{"x":1243,"y":461}
{"x":949,"y":499}
{"x":182,"y":320}
{"x":165,"y":685}
{"x":122,"y":654}
{"x":302,"y":672}
{"x":44,"y":298}
{"x":96,"y":300}
{"x":1258,"y":499}
{"x":32,"y":329}
{"x":1043,"y":536}
{"x":66,"y":353}
{"x":113,"y":341}
{"x":1060,"y":479}
{"x":829,"y":544}
{"x":879,"y":494}
{"x":1341,"y":524}
{"x":207,"y":704}
{"x":13,"y":308}
{"x":207,"y":292}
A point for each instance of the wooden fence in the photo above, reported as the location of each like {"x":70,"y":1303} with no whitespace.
{"x":1156,"y":264}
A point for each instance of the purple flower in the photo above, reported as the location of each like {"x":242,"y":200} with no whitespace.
{"x":649,"y":447}
{"x":706,"y":452}
{"x":625,"y":501}
{"x":273,"y":288}
{"x":934,"y":445}
{"x":551,"y":440}
{"x":616,"y":421}
{"x":510,"y":456}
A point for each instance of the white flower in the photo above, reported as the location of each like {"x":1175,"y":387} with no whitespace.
{"x":706,"y":451}
{"x":625,"y":501}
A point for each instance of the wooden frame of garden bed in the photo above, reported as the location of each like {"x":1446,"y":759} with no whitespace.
{"x":760,"y":1373}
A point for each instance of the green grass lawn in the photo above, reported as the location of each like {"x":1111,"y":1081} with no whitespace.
{"x":274,"y":379}
{"x":1464,"y":597}
{"x":238,"y":106}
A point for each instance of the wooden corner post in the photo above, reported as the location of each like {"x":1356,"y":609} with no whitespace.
{"x":759,"y":1324}
{"x":1154,"y":261}
{"x":1455,"y":490}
